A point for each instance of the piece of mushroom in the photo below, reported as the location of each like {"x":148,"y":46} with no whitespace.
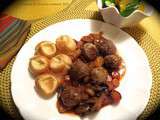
{"x":112,"y":62}
{"x":89,"y":51}
{"x":99,"y":75}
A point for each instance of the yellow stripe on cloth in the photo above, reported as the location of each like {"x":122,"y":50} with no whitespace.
{"x":144,"y":40}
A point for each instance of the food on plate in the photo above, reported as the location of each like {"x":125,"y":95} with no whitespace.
{"x":105,"y":47}
{"x":65,"y":58}
{"x":46,"y":48}
{"x":49,"y":66}
{"x":38,"y":64}
{"x":46,"y":84}
{"x":72,"y":96}
{"x":92,"y":78}
{"x":65,"y":44}
{"x":56,"y":65}
{"x":85,"y":73}
{"x":112,"y":62}
{"x":75,"y":54}
{"x":99,"y":61}
{"x":89,"y":51}
{"x":116,"y":96}
{"x":125,"y":7}
{"x":99,"y":75}
{"x":60,"y":63}
{"x":79,"y":70}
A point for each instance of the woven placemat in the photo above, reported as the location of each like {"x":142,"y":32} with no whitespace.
{"x":74,"y":11}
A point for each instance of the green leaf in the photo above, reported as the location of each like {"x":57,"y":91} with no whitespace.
{"x":112,"y":1}
{"x":103,"y":2}
{"x":108,"y":2}
{"x":130,"y":8}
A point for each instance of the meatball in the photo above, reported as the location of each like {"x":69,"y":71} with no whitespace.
{"x":89,"y":51}
{"x":72,"y":96}
{"x":112,"y":62}
{"x":79,"y":71}
{"x":105,"y":47}
{"x":99,"y":75}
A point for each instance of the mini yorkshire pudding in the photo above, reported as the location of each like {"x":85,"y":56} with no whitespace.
{"x":56,"y":65}
{"x":65,"y":58}
{"x":46,"y":85}
{"x":38,"y":64}
{"x":60,"y":63}
{"x":46,"y":48}
{"x":65,"y":44}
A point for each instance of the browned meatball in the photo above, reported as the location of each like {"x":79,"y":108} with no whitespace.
{"x":89,"y":51}
{"x":72,"y":96}
{"x":79,"y":70}
{"x":112,"y":62}
{"x":99,"y":75}
{"x":105,"y":47}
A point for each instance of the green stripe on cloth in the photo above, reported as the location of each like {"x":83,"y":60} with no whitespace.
{"x":10,"y":35}
{"x":12,"y":42}
{"x":10,"y":28}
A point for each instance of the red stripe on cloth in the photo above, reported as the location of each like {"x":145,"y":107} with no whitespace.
{"x":5,"y":17}
{"x":6,"y":22}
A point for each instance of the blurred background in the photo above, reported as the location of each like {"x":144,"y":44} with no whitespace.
{"x":10,"y":6}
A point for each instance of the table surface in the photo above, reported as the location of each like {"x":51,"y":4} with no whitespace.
{"x":36,"y":9}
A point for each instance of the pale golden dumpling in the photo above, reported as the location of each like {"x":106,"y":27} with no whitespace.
{"x":56,"y":65}
{"x":46,"y":48}
{"x":65,"y":44}
{"x":38,"y":64}
{"x":65,"y":58}
{"x":46,"y":84}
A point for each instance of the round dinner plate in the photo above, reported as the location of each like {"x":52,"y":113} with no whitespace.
{"x":134,"y":87}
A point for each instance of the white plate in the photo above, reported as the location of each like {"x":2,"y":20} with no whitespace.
{"x":134,"y":88}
